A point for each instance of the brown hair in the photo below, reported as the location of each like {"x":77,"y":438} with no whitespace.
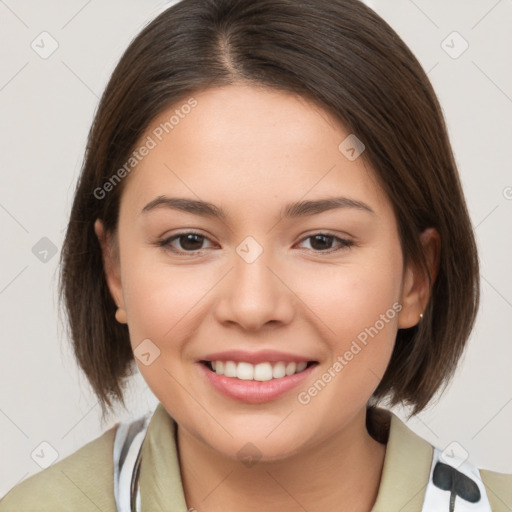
{"x":343,"y":56}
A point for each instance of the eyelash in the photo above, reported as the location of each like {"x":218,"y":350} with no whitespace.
{"x":344,"y":243}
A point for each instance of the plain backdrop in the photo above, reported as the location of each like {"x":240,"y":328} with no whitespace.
{"x":46,"y":108}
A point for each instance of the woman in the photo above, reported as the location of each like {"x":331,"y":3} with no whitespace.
{"x":269,"y":222}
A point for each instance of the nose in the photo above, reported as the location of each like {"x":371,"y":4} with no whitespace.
{"x":254,"y":295}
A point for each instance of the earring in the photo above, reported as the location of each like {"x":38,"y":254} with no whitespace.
{"x":120,"y":315}
{"x":421,"y":316}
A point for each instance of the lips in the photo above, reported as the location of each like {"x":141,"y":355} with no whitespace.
{"x":255,"y":377}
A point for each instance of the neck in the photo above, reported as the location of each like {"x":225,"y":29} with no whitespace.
{"x":341,"y":473}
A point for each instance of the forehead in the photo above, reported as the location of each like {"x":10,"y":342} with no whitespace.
{"x":243,"y":144}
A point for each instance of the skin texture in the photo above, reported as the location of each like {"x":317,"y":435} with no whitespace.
{"x":251,"y":151}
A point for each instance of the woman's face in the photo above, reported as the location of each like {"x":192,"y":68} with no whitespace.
{"x":279,"y":277}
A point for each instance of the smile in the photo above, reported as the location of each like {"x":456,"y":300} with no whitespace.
{"x":264,"y":371}
{"x":257,"y":383}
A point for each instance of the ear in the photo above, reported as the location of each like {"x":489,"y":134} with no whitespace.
{"x":416,"y":289}
{"x":111,"y":268}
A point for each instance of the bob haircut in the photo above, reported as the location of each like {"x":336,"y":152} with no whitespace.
{"x":341,"y":55}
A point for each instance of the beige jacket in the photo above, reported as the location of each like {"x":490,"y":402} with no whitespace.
{"x":84,"y":481}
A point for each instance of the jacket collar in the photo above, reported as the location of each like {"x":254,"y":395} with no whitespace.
{"x":406,"y":470}
{"x":160,"y":479}
{"x":403,"y":482}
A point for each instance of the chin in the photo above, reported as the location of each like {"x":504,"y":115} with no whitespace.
{"x":250,"y":453}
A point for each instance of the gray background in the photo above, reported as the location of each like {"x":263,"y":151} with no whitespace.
{"x":46,"y":108}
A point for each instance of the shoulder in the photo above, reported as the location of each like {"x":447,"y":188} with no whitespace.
{"x":499,"y":489}
{"x":82,"y":481}
{"x":413,"y":463}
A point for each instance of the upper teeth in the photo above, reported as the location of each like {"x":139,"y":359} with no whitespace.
{"x":260,"y":371}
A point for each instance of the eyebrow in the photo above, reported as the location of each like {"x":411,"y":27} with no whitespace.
{"x":292,"y":210}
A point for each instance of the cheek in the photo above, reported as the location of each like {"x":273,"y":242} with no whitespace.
{"x":357,"y":307}
{"x":348,"y":298}
{"x":163,"y":300}
{"x":360,"y":308}
{"x":163,"y":303}
{"x":157,"y":302}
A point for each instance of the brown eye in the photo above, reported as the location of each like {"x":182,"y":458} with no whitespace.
{"x":184,"y":242}
{"x":323,"y":242}
{"x":190,"y":242}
